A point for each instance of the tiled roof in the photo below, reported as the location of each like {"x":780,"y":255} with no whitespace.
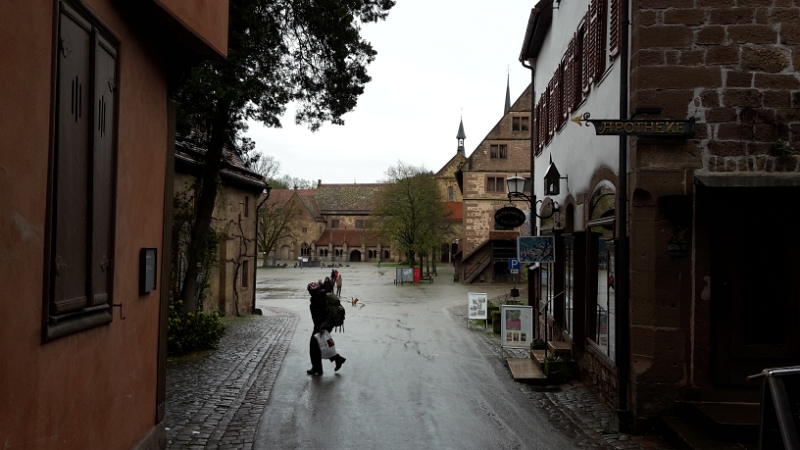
{"x":308,"y":197}
{"x":455,"y":211}
{"x":233,"y":170}
{"x":353,"y":238}
{"x":280,"y":197}
{"x":347,"y":198}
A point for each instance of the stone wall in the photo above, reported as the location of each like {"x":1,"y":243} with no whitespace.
{"x":733,"y":66}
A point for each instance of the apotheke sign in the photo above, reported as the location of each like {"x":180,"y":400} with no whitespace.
{"x":652,"y":128}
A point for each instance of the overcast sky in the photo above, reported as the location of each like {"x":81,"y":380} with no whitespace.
{"x":435,"y":57}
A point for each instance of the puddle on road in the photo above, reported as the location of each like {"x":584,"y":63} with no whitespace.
{"x":264,"y":292}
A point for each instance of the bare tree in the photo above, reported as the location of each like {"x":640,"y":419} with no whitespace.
{"x":277,"y":222}
{"x":266,"y":166}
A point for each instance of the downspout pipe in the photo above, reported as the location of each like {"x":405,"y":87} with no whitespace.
{"x":255,"y":260}
{"x":531,"y":283}
{"x":623,"y":340}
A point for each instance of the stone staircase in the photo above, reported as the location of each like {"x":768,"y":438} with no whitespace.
{"x":531,"y":370}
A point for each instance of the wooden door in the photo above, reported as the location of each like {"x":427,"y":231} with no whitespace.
{"x":755,"y":282}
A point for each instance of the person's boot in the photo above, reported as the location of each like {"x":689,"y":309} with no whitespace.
{"x":339,"y":361}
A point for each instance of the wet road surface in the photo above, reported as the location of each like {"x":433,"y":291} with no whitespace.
{"x":415,"y":377}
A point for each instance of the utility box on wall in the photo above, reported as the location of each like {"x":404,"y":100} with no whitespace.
{"x":147,"y":270}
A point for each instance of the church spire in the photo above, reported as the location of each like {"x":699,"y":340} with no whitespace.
{"x":508,"y":94}
{"x":461,"y":136}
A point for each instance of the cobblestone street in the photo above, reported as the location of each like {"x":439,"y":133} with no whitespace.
{"x":215,"y":400}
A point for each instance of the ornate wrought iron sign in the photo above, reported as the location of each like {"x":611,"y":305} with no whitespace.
{"x":509,"y":216}
{"x":652,"y":128}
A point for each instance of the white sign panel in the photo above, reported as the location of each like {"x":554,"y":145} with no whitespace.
{"x":478,"y":305}
{"x":516,"y":326}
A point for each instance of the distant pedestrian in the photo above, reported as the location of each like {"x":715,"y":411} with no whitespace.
{"x":338,"y":284}
{"x":328,"y":285}
{"x":319,"y":314}
{"x":333,"y":274}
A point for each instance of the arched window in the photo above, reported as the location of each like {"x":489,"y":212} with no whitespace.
{"x":305,"y":250}
{"x":602,"y":222}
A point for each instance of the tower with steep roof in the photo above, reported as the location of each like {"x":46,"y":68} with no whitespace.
{"x":508,"y":95}
{"x":461,"y":136}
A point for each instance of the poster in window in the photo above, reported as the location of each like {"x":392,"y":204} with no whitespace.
{"x":536,"y":249}
{"x":478,"y":305}
{"x":516,"y":326}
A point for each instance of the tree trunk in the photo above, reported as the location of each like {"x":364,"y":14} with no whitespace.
{"x":205,"y":211}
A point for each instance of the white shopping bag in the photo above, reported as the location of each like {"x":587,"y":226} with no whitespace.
{"x":326,"y":345}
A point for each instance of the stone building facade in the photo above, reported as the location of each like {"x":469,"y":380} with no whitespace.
{"x":671,"y":305}
{"x":230,"y":276}
{"x":331,"y":225}
{"x":504,"y":152}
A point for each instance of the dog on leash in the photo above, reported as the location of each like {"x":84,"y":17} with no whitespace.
{"x":353,"y":300}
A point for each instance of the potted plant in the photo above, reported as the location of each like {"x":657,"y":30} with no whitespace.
{"x":784,"y":153}
{"x":559,"y":368}
{"x":677,"y":247}
{"x":538,"y":344}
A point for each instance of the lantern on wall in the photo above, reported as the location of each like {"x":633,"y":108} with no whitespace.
{"x":552,"y":180}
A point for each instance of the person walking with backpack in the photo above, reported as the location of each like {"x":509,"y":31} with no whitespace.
{"x":319,"y":315}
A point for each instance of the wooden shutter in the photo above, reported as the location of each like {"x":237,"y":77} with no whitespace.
{"x":569,"y":77}
{"x":600,"y":38}
{"x":537,"y":126}
{"x":560,"y":95}
{"x":615,"y":32}
{"x":103,"y":170}
{"x":578,"y":69}
{"x":548,"y":112}
{"x":71,"y":164}
{"x":590,"y":50}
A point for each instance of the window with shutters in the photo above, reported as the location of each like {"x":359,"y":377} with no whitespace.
{"x":83,"y":176}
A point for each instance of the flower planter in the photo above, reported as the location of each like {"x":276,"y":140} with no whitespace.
{"x":559,"y":371}
{"x":677,"y":249}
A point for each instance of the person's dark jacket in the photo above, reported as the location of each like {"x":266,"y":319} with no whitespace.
{"x":319,"y":309}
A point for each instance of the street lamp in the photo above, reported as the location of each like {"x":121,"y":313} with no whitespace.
{"x":516,"y":188}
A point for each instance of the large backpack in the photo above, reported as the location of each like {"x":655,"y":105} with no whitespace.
{"x":336,"y":312}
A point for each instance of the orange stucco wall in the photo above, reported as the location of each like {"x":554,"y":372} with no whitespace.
{"x":208,"y":19}
{"x":96,"y":388}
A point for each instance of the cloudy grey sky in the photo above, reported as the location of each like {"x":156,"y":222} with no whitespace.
{"x":435,"y":57}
